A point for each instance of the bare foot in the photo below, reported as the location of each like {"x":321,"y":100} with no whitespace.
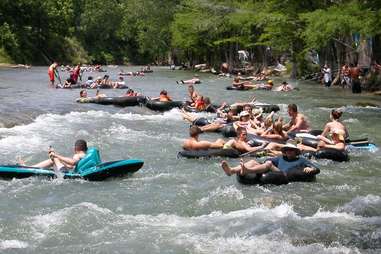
{"x":243,"y":168}
{"x":20,"y":161}
{"x":226,"y":168}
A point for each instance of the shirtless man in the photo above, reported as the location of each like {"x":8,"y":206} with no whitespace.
{"x":52,"y":72}
{"x":240,"y":143}
{"x":298,"y":122}
{"x":194,"y":144}
{"x":193,"y":95}
{"x":61,"y":163}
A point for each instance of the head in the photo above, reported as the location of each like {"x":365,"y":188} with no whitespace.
{"x":194,"y":131}
{"x":284,"y":83}
{"x":236,"y":79}
{"x":241,"y":133}
{"x":164,"y":92}
{"x":268,"y":122}
{"x":270,"y":82}
{"x":325,"y":66}
{"x":207,"y":100}
{"x":191,"y":88}
{"x":83,"y":94}
{"x":80,"y":146}
{"x":121,"y":78}
{"x":89,"y":78}
{"x":231,"y":113}
{"x":247,"y":108}
{"x":244,"y":116}
{"x":290,"y":151}
{"x":336,"y":114}
{"x":278,"y":127}
{"x":292,"y":110}
{"x":257,"y":112}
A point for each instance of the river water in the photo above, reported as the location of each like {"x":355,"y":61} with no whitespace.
{"x":177,"y":205}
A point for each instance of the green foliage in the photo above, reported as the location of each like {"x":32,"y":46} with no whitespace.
{"x":143,"y":31}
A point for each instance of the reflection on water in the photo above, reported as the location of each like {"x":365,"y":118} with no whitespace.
{"x":177,"y":205}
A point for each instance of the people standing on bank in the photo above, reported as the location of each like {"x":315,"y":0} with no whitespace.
{"x":327,"y":75}
{"x":346,"y":80}
{"x":355,"y":75}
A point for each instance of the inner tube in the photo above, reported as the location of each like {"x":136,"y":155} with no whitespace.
{"x":202,"y":121}
{"x":228,"y":131}
{"x":124,"y":101}
{"x":278,"y":178}
{"x":163,"y":105}
{"x":331,"y":154}
{"x":231,"y":153}
{"x":255,"y":140}
{"x":238,"y":88}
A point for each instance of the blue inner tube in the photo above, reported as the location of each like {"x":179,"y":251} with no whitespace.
{"x":163,"y":105}
{"x":278,"y":178}
{"x":230,"y":153}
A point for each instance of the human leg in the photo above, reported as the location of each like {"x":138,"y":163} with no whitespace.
{"x":44,"y":164}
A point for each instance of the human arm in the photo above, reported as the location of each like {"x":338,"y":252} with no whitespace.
{"x":67,"y":161}
{"x":298,"y":123}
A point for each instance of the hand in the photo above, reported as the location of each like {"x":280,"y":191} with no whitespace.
{"x":308,"y":170}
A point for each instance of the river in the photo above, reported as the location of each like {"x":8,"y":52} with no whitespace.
{"x":175,"y":205}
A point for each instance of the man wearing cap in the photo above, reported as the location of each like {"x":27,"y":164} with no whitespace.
{"x":194,"y":144}
{"x":288,"y":161}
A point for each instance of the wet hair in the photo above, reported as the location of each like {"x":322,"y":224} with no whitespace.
{"x":80,"y":145}
{"x":278,"y":127}
{"x":284,"y":83}
{"x":81,"y":93}
{"x":89,"y":78}
{"x":194,"y":131}
{"x":336,"y":114}
{"x":240,"y":130}
{"x":207,"y":100}
{"x":268,"y":122}
{"x":293,"y":107}
{"x":163,"y":92}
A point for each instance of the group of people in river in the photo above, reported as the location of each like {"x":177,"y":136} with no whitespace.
{"x":277,"y":138}
{"x":243,"y":84}
{"x":75,"y":77}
